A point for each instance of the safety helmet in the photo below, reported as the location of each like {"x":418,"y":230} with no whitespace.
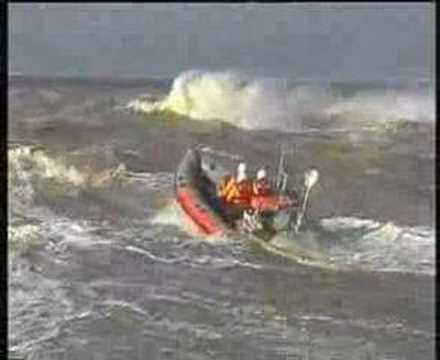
{"x":261,"y":174}
{"x":241,"y":168}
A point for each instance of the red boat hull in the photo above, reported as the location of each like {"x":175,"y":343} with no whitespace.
{"x":194,"y":194}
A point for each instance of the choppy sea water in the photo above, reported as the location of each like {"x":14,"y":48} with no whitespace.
{"x":101,"y":262}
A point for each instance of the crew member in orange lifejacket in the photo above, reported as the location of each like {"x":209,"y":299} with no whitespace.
{"x":238,"y":190}
{"x":264,"y":198}
{"x":261,"y":185}
{"x":223,"y":186}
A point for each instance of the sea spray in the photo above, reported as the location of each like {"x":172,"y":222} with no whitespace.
{"x":226,"y":96}
{"x":379,"y":246}
{"x":256,"y":103}
{"x":384,"y":106}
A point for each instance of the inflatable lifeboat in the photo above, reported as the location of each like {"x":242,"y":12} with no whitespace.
{"x":197,"y":195}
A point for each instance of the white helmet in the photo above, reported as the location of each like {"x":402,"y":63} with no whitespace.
{"x":241,"y":168}
{"x":241,"y":172}
{"x":261,"y":174}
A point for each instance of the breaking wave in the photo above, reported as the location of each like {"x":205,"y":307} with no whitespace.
{"x":273,"y":104}
{"x":384,"y":106}
{"x":224,"y":96}
{"x":31,"y":173}
{"x":37,"y":179}
{"x":27,"y":165}
{"x":380,"y":246}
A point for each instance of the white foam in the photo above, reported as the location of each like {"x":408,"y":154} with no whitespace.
{"x":26,"y":163}
{"x":22,"y":238}
{"x":226,"y":96}
{"x":256,"y":103}
{"x":381,"y":246}
{"x":383,"y":106}
{"x":171,"y":214}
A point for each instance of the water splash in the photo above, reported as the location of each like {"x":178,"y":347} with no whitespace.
{"x":253,"y":103}
{"x":380,"y":246}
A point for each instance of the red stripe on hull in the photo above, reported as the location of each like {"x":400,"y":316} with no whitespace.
{"x":204,"y":218}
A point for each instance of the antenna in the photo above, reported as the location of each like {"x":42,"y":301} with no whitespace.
{"x":282,"y":176}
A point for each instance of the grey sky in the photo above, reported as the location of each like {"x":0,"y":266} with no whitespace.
{"x":317,"y":40}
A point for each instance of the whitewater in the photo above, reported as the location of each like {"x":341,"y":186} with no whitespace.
{"x":273,"y":103}
{"x":101,"y":262}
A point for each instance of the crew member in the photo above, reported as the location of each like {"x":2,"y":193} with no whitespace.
{"x":238,"y":190}
{"x":224,"y":185}
{"x":261,"y":186}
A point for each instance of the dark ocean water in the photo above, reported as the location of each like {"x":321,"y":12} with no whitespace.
{"x":103,"y":267}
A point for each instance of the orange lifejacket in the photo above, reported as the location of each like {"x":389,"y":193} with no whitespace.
{"x":271,"y":202}
{"x":261,"y":187}
{"x":237,"y":193}
{"x":223,"y":187}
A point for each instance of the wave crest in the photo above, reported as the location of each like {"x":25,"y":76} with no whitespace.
{"x":225,"y":96}
{"x":272,"y":104}
{"x":380,"y":246}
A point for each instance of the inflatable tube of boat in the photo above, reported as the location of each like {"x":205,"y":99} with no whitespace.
{"x":193,"y":192}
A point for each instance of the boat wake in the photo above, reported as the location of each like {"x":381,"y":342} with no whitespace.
{"x":346,"y":243}
{"x":379,"y":246}
{"x":334,"y":243}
